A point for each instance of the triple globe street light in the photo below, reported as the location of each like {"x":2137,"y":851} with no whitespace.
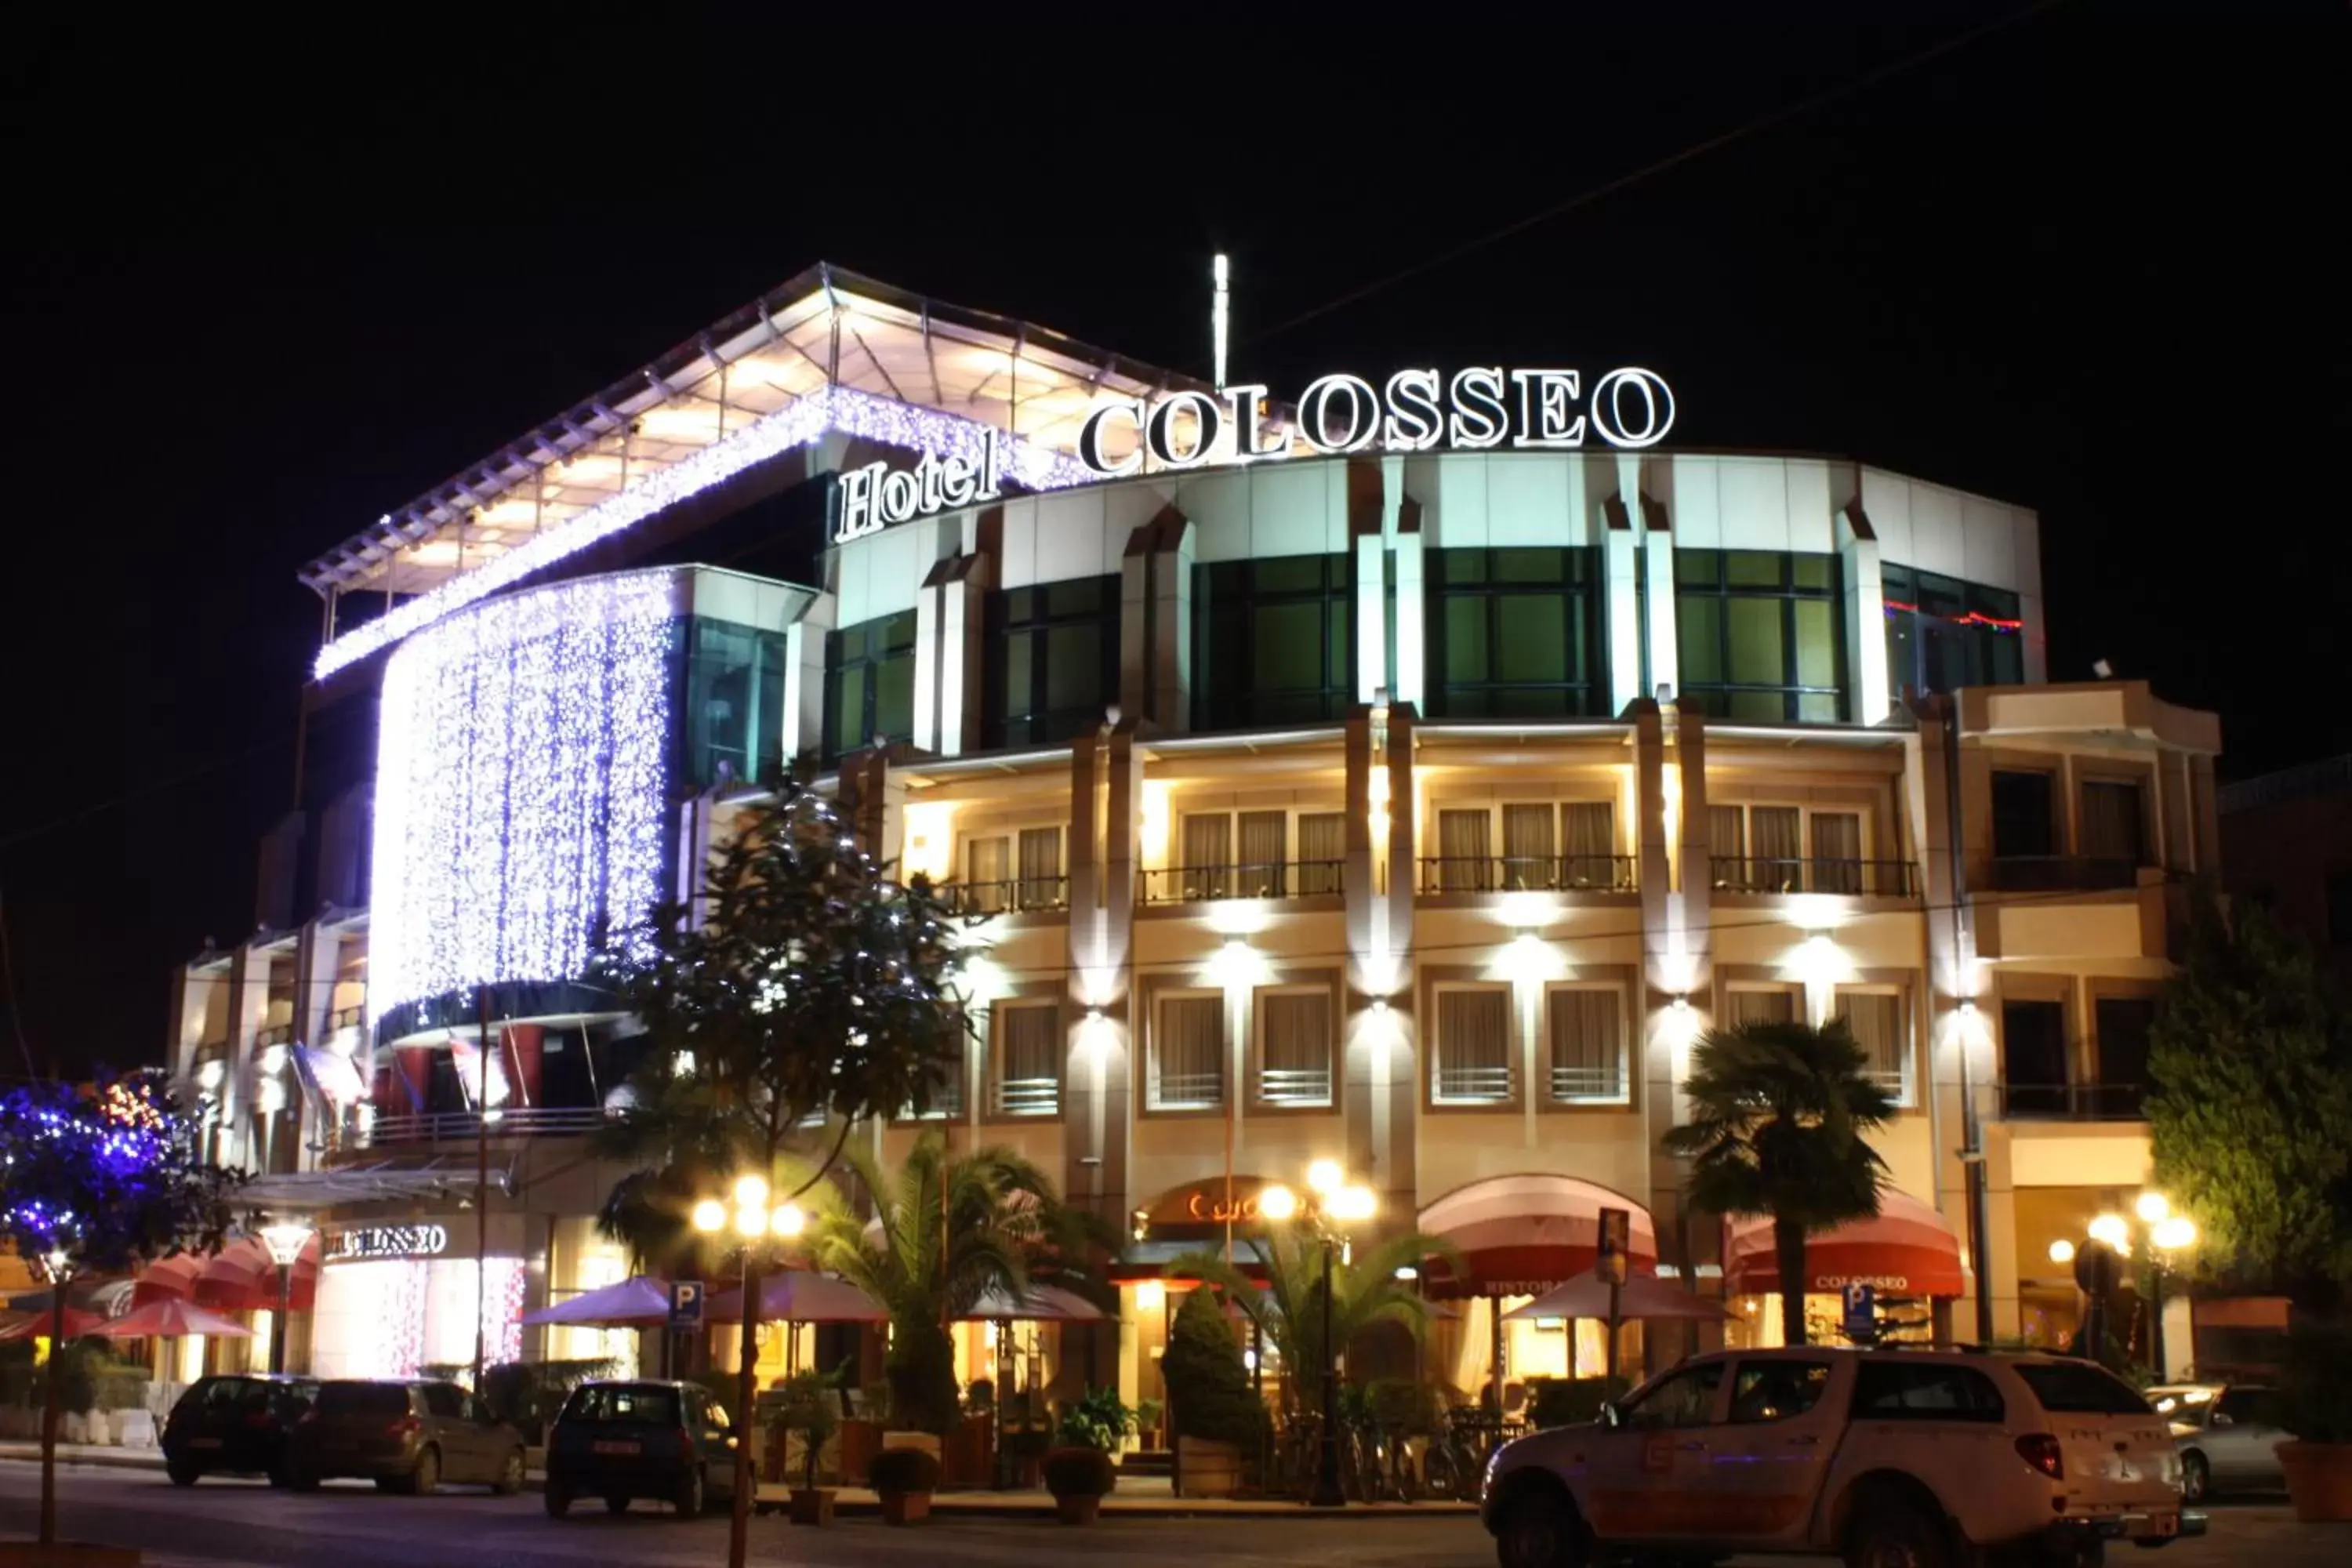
{"x":748,"y":1220}
{"x":1331,"y":1201}
{"x":2159,"y":1237}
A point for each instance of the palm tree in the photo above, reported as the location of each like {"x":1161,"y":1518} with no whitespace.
{"x":1779,"y":1115}
{"x":1365,"y":1293}
{"x":944,"y":1231}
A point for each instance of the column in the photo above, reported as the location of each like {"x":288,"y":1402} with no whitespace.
{"x":1868,"y":682}
{"x":804,"y":642}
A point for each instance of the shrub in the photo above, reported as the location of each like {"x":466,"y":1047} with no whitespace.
{"x":920,"y":1367}
{"x":1209,"y":1396}
{"x":903,"y":1470}
{"x":806,"y":1407}
{"x":1079,"y":1472}
{"x":1565,"y":1401}
{"x":1097,"y":1420}
{"x":2316,"y":1383}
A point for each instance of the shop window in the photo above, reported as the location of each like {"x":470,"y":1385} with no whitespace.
{"x":1053,"y":661}
{"x":1585,"y":1031}
{"x":734,"y":703}
{"x":1515,"y":634}
{"x":1025,"y":1058}
{"x":1881,"y":1024}
{"x":1272,"y":641}
{"x":1760,"y":635}
{"x":1295,"y":1046}
{"x":1795,"y":849}
{"x":1188,"y":1052}
{"x":1471,"y":1056}
{"x":1942,"y":634}
{"x":870,"y":684}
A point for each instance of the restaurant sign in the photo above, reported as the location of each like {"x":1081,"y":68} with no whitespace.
{"x":371,"y":1243}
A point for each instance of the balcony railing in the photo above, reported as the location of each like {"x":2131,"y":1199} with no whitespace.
{"x":1013,"y":895}
{"x":1864,"y":879}
{"x":1188,"y":1092}
{"x":1028,"y":1097}
{"x":2061,"y":874}
{"x":1516,"y":873}
{"x":1573,"y":1085}
{"x":1473,"y":1084}
{"x":1294,"y":1086}
{"x":2073,"y":1102}
{"x":347,"y":1018}
{"x":448,"y":1126}
{"x":275,"y":1035}
{"x":1267,"y":880}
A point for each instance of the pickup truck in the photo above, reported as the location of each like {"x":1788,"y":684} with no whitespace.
{"x":1912,"y":1458}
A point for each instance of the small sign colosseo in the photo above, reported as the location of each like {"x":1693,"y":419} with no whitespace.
{"x":370,"y":1243}
{"x":1479,"y":408}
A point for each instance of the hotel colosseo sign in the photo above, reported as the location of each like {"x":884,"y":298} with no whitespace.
{"x":1479,"y":408}
{"x":373,"y":1243}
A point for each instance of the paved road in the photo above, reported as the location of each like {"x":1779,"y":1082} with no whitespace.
{"x":232,"y":1524}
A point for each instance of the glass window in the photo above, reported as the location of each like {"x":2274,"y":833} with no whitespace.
{"x":2077,"y":1388}
{"x":1942,"y":634}
{"x":1760,"y":634}
{"x":1271,"y":641}
{"x":1188,"y":1053}
{"x":1053,"y":661}
{"x":734,"y":701}
{"x":870,"y":684}
{"x":445,"y":1400}
{"x":1322,"y":851}
{"x":2111,"y":823}
{"x":1880,"y":1025}
{"x":1515,"y":634}
{"x":1027,"y":1056}
{"x":1685,"y":1398}
{"x":1924,"y":1390}
{"x":623,"y":1403}
{"x":2023,"y":819}
{"x":1588,"y":1046}
{"x":1777,"y":1390}
{"x":1295,"y":1047}
{"x":1473,"y":1058}
{"x":2124,"y":1025}
{"x":363,"y":1399}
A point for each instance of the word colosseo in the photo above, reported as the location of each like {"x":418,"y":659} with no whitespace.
{"x":1475,"y":408}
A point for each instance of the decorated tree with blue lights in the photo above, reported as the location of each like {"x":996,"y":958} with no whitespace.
{"x":102,"y":1182}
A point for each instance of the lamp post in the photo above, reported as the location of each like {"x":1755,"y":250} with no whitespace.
{"x":2161,"y":1233}
{"x":59,"y":1268}
{"x":1331,"y":1197}
{"x":749,"y":1219}
{"x":286,"y":1240}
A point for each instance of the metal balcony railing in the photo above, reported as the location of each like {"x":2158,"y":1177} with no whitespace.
{"x":1863,"y":878}
{"x":1028,"y":1097}
{"x":1295,"y":1086}
{"x":347,"y":1018}
{"x":448,"y":1126}
{"x":2061,"y":874}
{"x":1265,"y":880}
{"x":1571,"y":1085}
{"x":1473,"y":1084}
{"x":2073,"y":1102}
{"x":275,"y":1035}
{"x":1516,"y":873}
{"x":1188,"y":1090}
{"x":1014,"y":895}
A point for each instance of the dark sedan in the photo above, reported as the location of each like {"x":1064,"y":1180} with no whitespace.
{"x":236,"y":1425}
{"x":670,"y":1441}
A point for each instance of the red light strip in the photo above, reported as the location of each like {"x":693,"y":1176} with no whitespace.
{"x":1970,"y":619}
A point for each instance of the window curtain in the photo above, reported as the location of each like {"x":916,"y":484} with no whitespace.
{"x":1265,"y":846}
{"x":1726,"y":831}
{"x":1041,"y":868}
{"x":1190,"y":1051}
{"x":2111,"y":823}
{"x":947,"y":1093}
{"x":1294,"y":1054}
{"x":987,"y":869}
{"x":1837,"y":852}
{"x":1208,"y":854}
{"x":1772,"y":1006}
{"x":1474,"y":1045}
{"x":1028,"y":1073}
{"x":1461,"y":849}
{"x":1778,"y":848}
{"x":1876,"y":1020}
{"x":1591,"y":844}
{"x":1528,"y":847}
{"x":1322,"y":851}
{"x":1586,"y":1047}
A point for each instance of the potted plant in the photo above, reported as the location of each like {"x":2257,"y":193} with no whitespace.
{"x":1079,"y":1477}
{"x":806,"y":1410}
{"x":1147,"y":1421}
{"x":1217,"y":1420}
{"x":904,"y":1479}
{"x":1097,"y":1420}
{"x":2315,"y":1404}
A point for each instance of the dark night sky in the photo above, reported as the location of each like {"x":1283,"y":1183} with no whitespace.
{"x":261,"y":287}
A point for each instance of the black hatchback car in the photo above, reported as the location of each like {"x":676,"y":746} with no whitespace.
{"x":236,"y":1424}
{"x":669,"y":1442}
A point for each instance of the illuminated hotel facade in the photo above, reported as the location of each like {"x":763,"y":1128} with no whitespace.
{"x":1413,"y":804}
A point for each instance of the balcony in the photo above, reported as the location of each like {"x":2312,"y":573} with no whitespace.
{"x":1298,"y":1088}
{"x":453,"y":1126}
{"x":2061,"y":874}
{"x":2072,"y":1101}
{"x":1527,"y":873}
{"x":1852,"y":878}
{"x":1267,"y":880}
{"x":1018,"y":894}
{"x":1026,"y":1096}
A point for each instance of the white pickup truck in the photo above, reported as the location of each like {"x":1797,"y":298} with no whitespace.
{"x":1912,"y":1458}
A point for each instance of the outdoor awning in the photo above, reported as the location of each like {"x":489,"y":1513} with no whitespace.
{"x":170,"y":1319}
{"x":1038,"y":1304}
{"x":1907,"y":1250}
{"x":35,"y":1325}
{"x":1524,"y":1235}
{"x":642,"y":1303}
{"x":244,"y":1279}
{"x":380,"y":1182}
{"x":798,"y":1295}
{"x":1642,"y":1296}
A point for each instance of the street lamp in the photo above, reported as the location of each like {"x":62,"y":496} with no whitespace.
{"x":1332,"y":1198}
{"x":286,"y":1240}
{"x":749,"y":1219}
{"x":2162,"y":1233}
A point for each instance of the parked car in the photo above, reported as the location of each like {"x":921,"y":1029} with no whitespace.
{"x":237,"y":1424}
{"x":2227,"y":1434}
{"x":407,"y":1437}
{"x":671,"y":1442}
{"x":1910,"y":1457}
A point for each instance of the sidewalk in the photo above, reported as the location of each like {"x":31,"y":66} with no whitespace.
{"x":102,"y":1456}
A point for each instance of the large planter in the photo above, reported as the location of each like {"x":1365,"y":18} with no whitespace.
{"x":904,"y":1507}
{"x":1207,"y":1469}
{"x":1078,"y":1510}
{"x":66,"y":1554}
{"x":2318,"y":1480}
{"x":812,"y":1505}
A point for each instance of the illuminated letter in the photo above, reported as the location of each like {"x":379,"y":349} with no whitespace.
{"x":1545,"y":398}
{"x":991,"y":465}
{"x":1478,"y":419}
{"x":1091,"y":450}
{"x":900,"y":494}
{"x":1363,"y":413}
{"x":927,"y":475}
{"x":955,"y":481}
{"x":1243,"y":414}
{"x":1609,"y":396}
{"x":858,"y":514}
{"x":1415,"y":423}
{"x":1160,"y":433}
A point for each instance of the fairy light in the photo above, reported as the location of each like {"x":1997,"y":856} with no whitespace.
{"x":520,"y":785}
{"x":799,"y":424}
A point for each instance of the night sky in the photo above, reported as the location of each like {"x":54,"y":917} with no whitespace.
{"x":262,"y":287}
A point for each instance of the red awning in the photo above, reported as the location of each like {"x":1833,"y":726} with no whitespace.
{"x":1907,"y":1250}
{"x":244,"y":1280}
{"x":1522,"y":1235}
